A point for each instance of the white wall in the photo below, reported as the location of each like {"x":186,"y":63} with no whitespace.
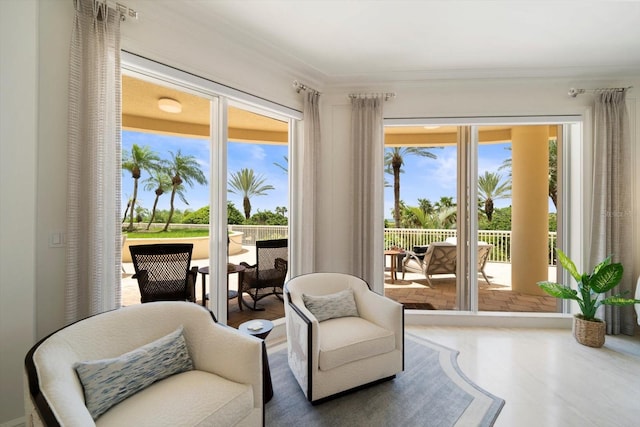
{"x":55,"y":23}
{"x":34,"y":77}
{"x":18,"y":143}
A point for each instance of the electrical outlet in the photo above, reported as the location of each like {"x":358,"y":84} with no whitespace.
{"x":57,"y":239}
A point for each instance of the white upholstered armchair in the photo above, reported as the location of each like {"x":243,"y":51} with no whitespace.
{"x":340,"y":334}
{"x":158,"y":364}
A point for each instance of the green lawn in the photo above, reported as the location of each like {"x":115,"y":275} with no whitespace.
{"x":173,"y":233}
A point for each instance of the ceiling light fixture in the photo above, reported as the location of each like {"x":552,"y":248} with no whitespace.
{"x":431,"y":127}
{"x":169,"y":105}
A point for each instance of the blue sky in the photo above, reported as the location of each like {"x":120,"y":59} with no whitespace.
{"x":427,"y":178}
{"x":423,"y":177}
{"x":259,"y":157}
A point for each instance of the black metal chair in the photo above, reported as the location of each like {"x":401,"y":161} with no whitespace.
{"x":163,"y":272}
{"x":267,"y":276}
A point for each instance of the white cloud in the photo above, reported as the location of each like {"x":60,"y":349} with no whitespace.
{"x":445,"y":171}
{"x":258,"y":153}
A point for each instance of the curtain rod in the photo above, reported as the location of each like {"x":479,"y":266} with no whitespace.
{"x":387,"y":95}
{"x":303,"y":87}
{"x":573,"y":92}
{"x":124,"y":11}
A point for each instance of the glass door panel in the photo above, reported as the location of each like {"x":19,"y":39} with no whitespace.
{"x":421,"y":215}
{"x":517,"y":216}
{"x":257,"y":201}
{"x":166,"y":172}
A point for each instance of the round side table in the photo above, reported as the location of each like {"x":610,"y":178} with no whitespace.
{"x":258,"y":328}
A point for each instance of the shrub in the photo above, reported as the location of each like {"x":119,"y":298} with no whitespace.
{"x":201,"y":216}
{"x":233,"y":214}
{"x":267,"y":218}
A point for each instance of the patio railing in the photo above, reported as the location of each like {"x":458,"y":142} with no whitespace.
{"x":260,"y":232}
{"x":500,"y":239}
{"x":405,"y":238}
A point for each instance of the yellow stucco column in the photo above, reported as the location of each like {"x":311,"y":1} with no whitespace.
{"x":530,"y":208}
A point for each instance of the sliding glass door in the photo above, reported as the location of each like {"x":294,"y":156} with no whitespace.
{"x":479,"y":213}
{"x":233,"y":188}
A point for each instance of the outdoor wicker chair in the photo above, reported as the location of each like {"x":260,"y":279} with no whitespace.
{"x":163,"y":272}
{"x":266,"y":277}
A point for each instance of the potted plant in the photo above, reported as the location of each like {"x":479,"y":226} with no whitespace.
{"x":587,"y":328}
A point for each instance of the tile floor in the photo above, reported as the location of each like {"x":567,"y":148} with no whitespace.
{"x":545,"y":377}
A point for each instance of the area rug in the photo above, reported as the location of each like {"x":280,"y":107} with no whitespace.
{"x":431,"y":391}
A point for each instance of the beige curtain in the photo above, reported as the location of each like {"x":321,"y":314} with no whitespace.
{"x":367,"y":136}
{"x":611,"y":212}
{"x":94,"y":163}
{"x":303,"y":224}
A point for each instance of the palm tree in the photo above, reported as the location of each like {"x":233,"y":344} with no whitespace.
{"x":126,"y":211}
{"x":444,"y":203}
{"x":159,"y":182}
{"x":182,"y":169}
{"x":425,"y":205}
{"x":393,"y":160}
{"x":419,"y":218}
{"x":285,"y":167}
{"x":490,"y":188}
{"x":446,"y":217}
{"x":138,"y":159}
{"x":248,"y":184}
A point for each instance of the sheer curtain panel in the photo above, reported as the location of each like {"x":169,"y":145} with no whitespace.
{"x":367,"y":136}
{"x":94,"y":163}
{"x":611,"y":228}
{"x":303,"y":233}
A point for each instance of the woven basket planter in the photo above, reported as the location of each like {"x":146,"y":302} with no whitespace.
{"x":589,"y":333}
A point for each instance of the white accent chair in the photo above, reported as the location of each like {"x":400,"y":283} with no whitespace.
{"x":224,"y":388}
{"x":340,"y":354}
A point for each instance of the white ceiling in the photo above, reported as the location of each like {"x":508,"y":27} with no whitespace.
{"x":347,"y":42}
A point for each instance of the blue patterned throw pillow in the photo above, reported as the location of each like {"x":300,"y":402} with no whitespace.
{"x":107,"y":382}
{"x":325,"y":307}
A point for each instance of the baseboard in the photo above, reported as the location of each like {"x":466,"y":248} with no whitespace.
{"x":488,"y":319}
